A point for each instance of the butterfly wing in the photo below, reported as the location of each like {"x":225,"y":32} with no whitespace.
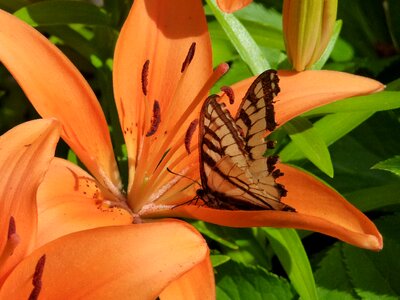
{"x":224,"y":163}
{"x":255,"y":115}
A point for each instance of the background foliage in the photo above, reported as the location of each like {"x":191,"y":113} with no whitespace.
{"x":362,"y":161}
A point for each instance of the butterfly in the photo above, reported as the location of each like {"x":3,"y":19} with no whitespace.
{"x":234,"y":172}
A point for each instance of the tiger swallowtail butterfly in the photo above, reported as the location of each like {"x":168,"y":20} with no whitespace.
{"x":234,"y":172}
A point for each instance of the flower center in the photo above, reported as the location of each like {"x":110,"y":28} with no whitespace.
{"x":163,"y":144}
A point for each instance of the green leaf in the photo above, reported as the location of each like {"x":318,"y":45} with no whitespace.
{"x":240,"y":244}
{"x":252,"y":250}
{"x":332,"y":280}
{"x":374,"y":102}
{"x":258,"y":13}
{"x":329,"y":48}
{"x":376,"y":197}
{"x":217,"y":259}
{"x":392,"y":8}
{"x":347,"y":272}
{"x":241,"y":39}
{"x":391,"y":165}
{"x":330,"y":128}
{"x":265,"y":36}
{"x":375,"y":275}
{"x":72,"y":157}
{"x":204,"y":229}
{"x":342,"y":52}
{"x":237,"y":281}
{"x":307,"y":139}
{"x":290,"y":251}
{"x":74,"y":39}
{"x":61,"y":13}
{"x":393,"y":85}
{"x":222,"y":48}
{"x":14,"y":5}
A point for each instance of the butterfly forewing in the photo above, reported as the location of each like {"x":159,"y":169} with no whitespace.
{"x":256,"y":113}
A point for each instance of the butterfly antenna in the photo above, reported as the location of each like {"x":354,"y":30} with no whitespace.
{"x":191,"y":179}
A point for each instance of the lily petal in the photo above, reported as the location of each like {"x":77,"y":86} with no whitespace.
{"x":160,"y":32}
{"x":303,"y":91}
{"x":119,"y":262}
{"x":198,"y":283}
{"x":25,"y":154}
{"x":319,"y":208}
{"x":71,"y":200}
{"x":57,"y":89}
{"x":230,"y":6}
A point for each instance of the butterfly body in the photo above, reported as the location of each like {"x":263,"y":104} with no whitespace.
{"x":234,"y":173}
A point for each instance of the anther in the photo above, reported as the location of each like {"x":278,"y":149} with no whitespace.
{"x":229,"y":92}
{"x":189,"y":133}
{"x":189,"y":57}
{"x":11,"y":227}
{"x":13,"y":239}
{"x":145,"y":73}
{"x":37,"y":278}
{"x":155,"y":120}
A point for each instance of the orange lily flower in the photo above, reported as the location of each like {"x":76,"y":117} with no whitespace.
{"x":26,"y":152}
{"x":230,"y":6}
{"x":162,"y":73}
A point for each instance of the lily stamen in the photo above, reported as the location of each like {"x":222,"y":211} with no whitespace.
{"x":189,"y":133}
{"x":169,"y":141}
{"x":193,"y":107}
{"x":159,"y":173}
{"x":229,"y":93}
{"x":37,"y":278}
{"x":145,"y":73}
{"x":189,"y":57}
{"x":155,"y":119}
{"x":13,"y":240}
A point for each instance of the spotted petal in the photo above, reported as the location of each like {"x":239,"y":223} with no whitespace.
{"x":25,"y":154}
{"x":70,"y":200}
{"x":119,"y":262}
{"x":158,"y":92}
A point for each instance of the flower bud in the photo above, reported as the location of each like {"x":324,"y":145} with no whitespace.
{"x":307,"y":27}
